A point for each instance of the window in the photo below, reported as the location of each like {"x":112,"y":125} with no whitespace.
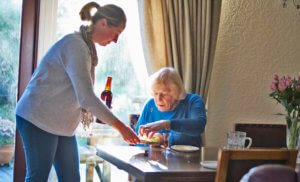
{"x":9,"y":63}
{"x":123,"y":61}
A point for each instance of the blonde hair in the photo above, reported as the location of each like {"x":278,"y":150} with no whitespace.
{"x":170,"y":78}
{"x":113,"y":14}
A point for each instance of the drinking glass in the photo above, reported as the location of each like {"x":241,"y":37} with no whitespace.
{"x":236,"y":140}
{"x":166,"y":140}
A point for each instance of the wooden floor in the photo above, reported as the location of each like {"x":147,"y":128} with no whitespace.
{"x":6,"y":174}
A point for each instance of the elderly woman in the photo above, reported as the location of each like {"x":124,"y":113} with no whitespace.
{"x":172,"y":109}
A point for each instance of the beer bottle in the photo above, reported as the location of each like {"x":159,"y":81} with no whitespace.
{"x":106,"y":96}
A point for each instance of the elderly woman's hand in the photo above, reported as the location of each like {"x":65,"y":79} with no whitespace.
{"x":151,"y":128}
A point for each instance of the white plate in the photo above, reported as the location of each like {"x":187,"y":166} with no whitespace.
{"x":184,"y":148}
{"x":209,"y":164}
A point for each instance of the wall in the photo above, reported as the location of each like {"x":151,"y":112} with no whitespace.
{"x":257,"y":38}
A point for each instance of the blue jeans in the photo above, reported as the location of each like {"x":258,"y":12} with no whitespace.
{"x":42,"y":149}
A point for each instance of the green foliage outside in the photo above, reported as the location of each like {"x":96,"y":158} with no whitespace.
{"x":7,"y":132}
{"x":9,"y":57}
{"x":114,"y":60}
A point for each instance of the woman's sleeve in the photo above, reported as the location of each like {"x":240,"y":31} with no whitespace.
{"x":77,"y":62}
{"x":195,"y":123}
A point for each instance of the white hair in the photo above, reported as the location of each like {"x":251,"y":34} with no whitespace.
{"x":170,"y":78}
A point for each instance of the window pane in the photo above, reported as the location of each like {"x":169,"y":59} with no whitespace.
{"x":9,"y":63}
{"x":123,"y":61}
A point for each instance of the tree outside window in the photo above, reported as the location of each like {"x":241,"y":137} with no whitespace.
{"x":10,"y":21}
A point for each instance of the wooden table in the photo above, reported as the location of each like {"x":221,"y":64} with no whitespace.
{"x":160,"y":164}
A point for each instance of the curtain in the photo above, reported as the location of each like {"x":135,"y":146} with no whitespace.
{"x":181,"y":34}
{"x":153,"y":34}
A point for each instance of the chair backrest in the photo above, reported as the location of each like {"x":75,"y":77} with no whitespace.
{"x":264,"y":135}
{"x":233,"y":164}
{"x":133,"y":119}
{"x":271,"y":172}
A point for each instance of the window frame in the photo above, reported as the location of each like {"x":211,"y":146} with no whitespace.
{"x":27,"y":64}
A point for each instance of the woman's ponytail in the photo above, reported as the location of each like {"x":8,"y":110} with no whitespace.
{"x":114,"y":15}
{"x":85,"y":12}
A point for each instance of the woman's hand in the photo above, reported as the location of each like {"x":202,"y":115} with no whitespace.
{"x":126,"y":132}
{"x":151,"y":128}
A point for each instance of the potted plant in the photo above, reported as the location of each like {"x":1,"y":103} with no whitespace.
{"x":7,"y":138}
{"x":286,"y":91}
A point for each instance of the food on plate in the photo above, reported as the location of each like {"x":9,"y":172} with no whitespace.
{"x":153,"y":139}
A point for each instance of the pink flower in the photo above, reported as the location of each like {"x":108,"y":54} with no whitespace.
{"x":288,"y":82}
{"x":276,"y":78}
{"x":298,"y":84}
{"x":273,"y":86}
{"x":282,"y":85}
{"x":287,"y":77}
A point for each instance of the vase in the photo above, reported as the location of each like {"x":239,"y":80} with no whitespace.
{"x":292,"y":134}
{"x":6,"y":153}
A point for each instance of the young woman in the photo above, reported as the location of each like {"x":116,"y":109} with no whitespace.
{"x":60,"y":95}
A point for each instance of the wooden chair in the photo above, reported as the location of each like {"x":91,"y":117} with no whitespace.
{"x":273,"y":173}
{"x":264,"y":135}
{"x":233,"y":164}
{"x":133,"y":119}
{"x":87,"y":155}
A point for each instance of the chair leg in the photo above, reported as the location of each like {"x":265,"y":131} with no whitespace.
{"x":89,"y":172}
{"x":129,"y":177}
{"x":106,"y":172}
{"x":98,"y":170}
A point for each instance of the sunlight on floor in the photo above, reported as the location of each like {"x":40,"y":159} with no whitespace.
{"x":117,"y":175}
